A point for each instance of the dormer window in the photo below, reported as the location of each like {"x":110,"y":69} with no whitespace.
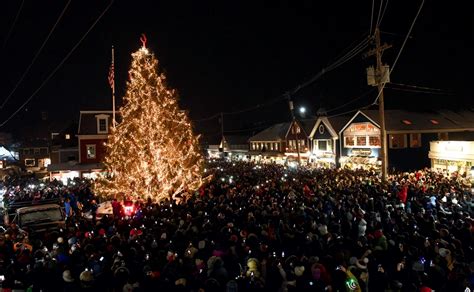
{"x":102,"y":124}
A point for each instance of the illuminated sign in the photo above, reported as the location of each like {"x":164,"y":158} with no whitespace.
{"x":361,"y":152}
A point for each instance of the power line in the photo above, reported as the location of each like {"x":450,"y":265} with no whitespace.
{"x":353,"y":110}
{"x":419,"y":91}
{"x":36,"y":56}
{"x":383,"y":13}
{"x":13,"y":24}
{"x":372,"y":17}
{"x":352,"y":100}
{"x":403,"y":46}
{"x":351,"y":53}
{"x":380,"y":12}
{"x":419,"y":87}
{"x":59,"y":65}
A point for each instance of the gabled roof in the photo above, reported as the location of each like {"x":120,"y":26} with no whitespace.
{"x":408,"y":121}
{"x":274,"y":133}
{"x":88,"y":121}
{"x":338,"y":122}
{"x":307,"y":125}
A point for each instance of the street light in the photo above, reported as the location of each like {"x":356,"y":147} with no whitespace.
{"x":302,"y":110}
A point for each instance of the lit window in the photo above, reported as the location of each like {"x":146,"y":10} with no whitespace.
{"x":398,"y":141}
{"x":415,"y":140}
{"x":407,"y":122}
{"x":349,"y":141}
{"x":434,"y":122}
{"x":90,"y":151}
{"x":29,"y":162}
{"x":374,"y":141}
{"x":361,"y":141}
{"x":68,"y":136}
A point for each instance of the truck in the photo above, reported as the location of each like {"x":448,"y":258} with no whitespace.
{"x":36,"y":217}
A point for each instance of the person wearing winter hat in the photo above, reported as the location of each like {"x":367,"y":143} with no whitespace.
{"x":87,"y":279}
{"x":69,"y":282}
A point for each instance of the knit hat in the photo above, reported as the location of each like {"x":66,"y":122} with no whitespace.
{"x":323,"y":229}
{"x":86,"y":276}
{"x":201,"y":244}
{"x":299,"y":271}
{"x":67,"y":277}
{"x":362,"y":264}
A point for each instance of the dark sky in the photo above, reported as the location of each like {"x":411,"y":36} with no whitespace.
{"x":231,"y":55}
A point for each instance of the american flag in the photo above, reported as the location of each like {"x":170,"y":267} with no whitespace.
{"x":112,"y":75}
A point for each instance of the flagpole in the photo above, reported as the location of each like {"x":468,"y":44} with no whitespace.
{"x":113,"y":90}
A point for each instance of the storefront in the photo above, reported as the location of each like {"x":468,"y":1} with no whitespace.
{"x":360,"y":145}
{"x":452,"y":156}
{"x":323,"y":139}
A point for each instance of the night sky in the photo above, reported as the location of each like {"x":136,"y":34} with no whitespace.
{"x":230,"y":55}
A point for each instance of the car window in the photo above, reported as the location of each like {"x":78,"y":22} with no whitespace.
{"x":41,"y":216}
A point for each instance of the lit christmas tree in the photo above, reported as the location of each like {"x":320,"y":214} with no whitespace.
{"x":153,"y":151}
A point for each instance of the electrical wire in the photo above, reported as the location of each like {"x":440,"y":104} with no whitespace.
{"x":418,"y":91}
{"x":372,"y":17}
{"x":403,"y":46}
{"x":380,"y":11}
{"x":419,"y":87}
{"x":383,"y":13}
{"x":351,"y":101}
{"x":57,"y":67}
{"x":36,"y":55}
{"x":13,"y":24}
{"x":350,"y":54}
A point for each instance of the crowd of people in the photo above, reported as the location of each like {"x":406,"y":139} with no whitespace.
{"x":258,"y":228}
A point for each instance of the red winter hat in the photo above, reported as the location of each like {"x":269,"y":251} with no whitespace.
{"x":378,"y":233}
{"x":102,"y":232}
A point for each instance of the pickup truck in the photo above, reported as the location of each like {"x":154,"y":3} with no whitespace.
{"x":37,"y":218}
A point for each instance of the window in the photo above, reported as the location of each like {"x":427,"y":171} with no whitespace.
{"x":364,"y":135}
{"x":253,"y":146}
{"x":26,"y":151}
{"x":415,"y":140}
{"x":68,"y":136}
{"x":398,"y":141}
{"x":276,"y":146}
{"x":102,"y":123}
{"x":361,"y":141}
{"x":374,"y":141}
{"x":29,"y":162}
{"x":44,"y":151}
{"x":349,"y":141}
{"x":322,"y":145}
{"x":90,"y":149}
{"x":37,"y":151}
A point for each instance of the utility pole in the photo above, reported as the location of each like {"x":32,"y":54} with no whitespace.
{"x":222,"y":124}
{"x":292,"y":110}
{"x":380,"y":79}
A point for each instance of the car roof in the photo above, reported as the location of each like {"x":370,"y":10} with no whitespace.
{"x":35,"y":208}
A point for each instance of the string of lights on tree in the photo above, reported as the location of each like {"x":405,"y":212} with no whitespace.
{"x":153,"y":152}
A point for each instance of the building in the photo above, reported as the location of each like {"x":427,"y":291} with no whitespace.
{"x":34,"y":156}
{"x":270,"y":144}
{"x":452,"y":156}
{"x":324,"y":140}
{"x":408,"y":137}
{"x":297,"y":141}
{"x":231,"y":147}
